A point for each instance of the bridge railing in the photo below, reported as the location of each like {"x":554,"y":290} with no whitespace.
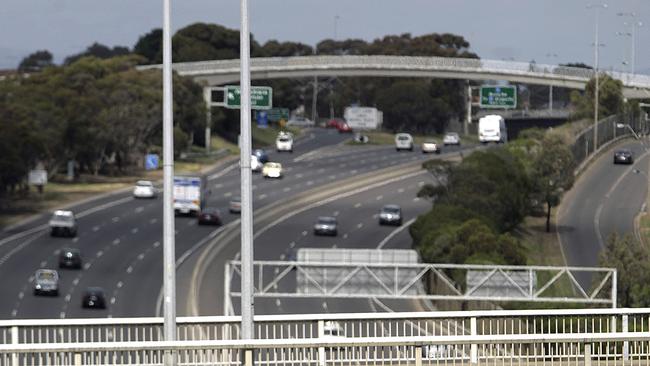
{"x":629,"y":348}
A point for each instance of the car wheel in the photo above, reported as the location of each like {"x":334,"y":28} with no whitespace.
{"x":55,"y":293}
{"x":53,"y":231}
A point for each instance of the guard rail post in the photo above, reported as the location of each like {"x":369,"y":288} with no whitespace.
{"x":626,"y":344}
{"x":418,"y":356}
{"x":321,"y":350}
{"x":14,"y":340}
{"x":473,"y":358}
{"x":587,"y":354}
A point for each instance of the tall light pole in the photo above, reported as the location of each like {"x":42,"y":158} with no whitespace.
{"x":247,"y":299}
{"x":336,"y":23}
{"x":169,"y":251}
{"x":550,"y":88}
{"x":632,"y":34}
{"x":596,"y":48}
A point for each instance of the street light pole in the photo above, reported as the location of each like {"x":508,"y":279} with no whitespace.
{"x":169,"y":251}
{"x":247,"y":299}
{"x":596,"y":47}
{"x":634,"y":24}
{"x":550,"y":88}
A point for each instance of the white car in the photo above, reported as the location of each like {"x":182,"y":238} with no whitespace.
{"x":272,"y":170}
{"x":144,"y":189}
{"x":256,"y":166}
{"x":403,"y":141}
{"x":63,"y":223}
{"x":451,"y":138}
{"x":284,"y":142}
{"x":298,"y":121}
{"x":430,"y":146}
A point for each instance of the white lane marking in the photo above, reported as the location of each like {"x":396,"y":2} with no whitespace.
{"x":331,"y":177}
{"x":116,"y":241}
{"x":141,"y":256}
{"x":75,"y":281}
{"x":304,"y":233}
{"x":43,"y":263}
{"x":357,"y":205}
{"x":87,"y":265}
{"x":134,"y":230}
{"x":120,"y":284}
{"x":354,"y":171}
{"x":416,"y":199}
{"x":299,"y":175}
{"x":311,"y":182}
{"x":599,"y":236}
{"x":360,"y":225}
{"x":130,"y":269}
{"x":227,"y":194}
{"x":115,"y":219}
{"x":95,"y":228}
{"x":223,"y":171}
{"x":153,"y":221}
{"x":218,"y":185}
{"x":190,"y":223}
{"x":286,"y":189}
{"x":75,"y":239}
{"x":375,"y":216}
{"x":21,"y":295}
{"x":292,"y":244}
{"x":420,"y":183}
{"x":62,"y":315}
{"x":14,"y":312}
{"x":156,"y":244}
{"x":262,"y":196}
{"x":395,"y":232}
{"x":139,"y":209}
{"x":335,"y":213}
{"x":31,"y":279}
{"x":100,"y":253}
{"x":401,"y":190}
{"x":345,"y":236}
{"x":380,"y":197}
{"x":113,"y":300}
{"x":68,"y":297}
{"x":277,"y":302}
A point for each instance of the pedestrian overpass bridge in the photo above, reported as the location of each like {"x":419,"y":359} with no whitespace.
{"x":220,"y":72}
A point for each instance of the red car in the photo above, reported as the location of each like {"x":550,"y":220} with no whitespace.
{"x":344,"y":128}
{"x":333,"y":123}
{"x":210,"y":216}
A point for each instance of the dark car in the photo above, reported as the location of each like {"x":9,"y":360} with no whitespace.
{"x":326,"y":225}
{"x":390,"y":215}
{"x":94,"y":298}
{"x":210,"y":216}
{"x":70,"y":258}
{"x":623,"y":157}
{"x":262,"y":156}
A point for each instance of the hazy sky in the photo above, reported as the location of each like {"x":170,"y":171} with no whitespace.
{"x":496,"y":29}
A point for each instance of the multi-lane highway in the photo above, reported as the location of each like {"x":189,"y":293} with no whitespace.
{"x":604,"y":200}
{"x":120,"y":237}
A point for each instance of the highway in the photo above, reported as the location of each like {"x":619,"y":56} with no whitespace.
{"x":120,"y":237}
{"x":604,"y":200}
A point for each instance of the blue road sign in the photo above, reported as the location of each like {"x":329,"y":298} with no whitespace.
{"x":262,"y":119}
{"x":151,"y":161}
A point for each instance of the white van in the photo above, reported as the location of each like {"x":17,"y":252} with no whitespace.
{"x":284,"y":142}
{"x":403,"y":141}
{"x":492,"y":128}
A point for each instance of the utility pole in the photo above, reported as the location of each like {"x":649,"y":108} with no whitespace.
{"x":550,"y":87}
{"x":247,"y":296}
{"x":169,"y":250}
{"x":468,"y":117}
{"x":314,"y":97}
{"x":634,"y":25}
{"x":596,"y":47}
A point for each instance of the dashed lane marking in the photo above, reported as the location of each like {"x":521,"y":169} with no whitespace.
{"x":139,"y":209}
{"x":380,"y":197}
{"x":360,"y":225}
{"x":95,"y":228}
{"x":286,"y":189}
{"x":43,"y":264}
{"x":100,"y":253}
{"x":115,"y":219}
{"x":357,"y":205}
{"x":116,"y":241}
{"x":227,"y":194}
{"x":304,"y":233}
{"x":153,"y":221}
{"x":262,"y":196}
{"x":134,"y":230}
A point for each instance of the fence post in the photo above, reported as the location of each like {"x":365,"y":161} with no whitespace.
{"x":248,"y":357}
{"x":626,"y":344}
{"x":473,"y":358}
{"x":418,"y":356}
{"x":321,"y":350}
{"x":587,"y":354}
{"x":77,"y":359}
{"x":14,"y":340}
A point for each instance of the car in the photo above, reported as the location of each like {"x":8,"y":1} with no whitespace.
{"x":144,"y":189}
{"x":70,"y":258}
{"x":344,"y":128}
{"x":326,"y":225}
{"x":623,"y":156}
{"x":256,"y":165}
{"x":262,"y":156}
{"x":272,"y":170}
{"x":390,"y":215}
{"x":235,"y":205}
{"x":334,"y":123}
{"x":430,"y":146}
{"x":63,"y":223}
{"x":451,"y":138}
{"x":209,"y":216}
{"x":284,"y":142}
{"x":299,"y":121}
{"x":94,"y":298}
{"x":46,"y":282}
{"x":403,"y":141}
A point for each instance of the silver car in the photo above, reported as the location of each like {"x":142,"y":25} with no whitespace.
{"x":326,"y":226}
{"x":46,"y":282}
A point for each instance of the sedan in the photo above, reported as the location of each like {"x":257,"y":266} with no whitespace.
{"x":262,"y":156}
{"x":390,"y":215}
{"x":144,"y":189}
{"x":70,"y":258}
{"x":623,"y":156}
{"x":344,"y":128}
{"x":94,"y":298}
{"x":326,"y":225}
{"x":46,"y":282}
{"x":272,"y":170}
{"x":256,"y":165}
{"x":430,"y":146}
{"x":235,"y":204}
{"x":209,"y":216}
{"x":451,"y":138}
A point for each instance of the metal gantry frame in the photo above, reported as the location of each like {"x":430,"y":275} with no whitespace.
{"x":288,"y":279}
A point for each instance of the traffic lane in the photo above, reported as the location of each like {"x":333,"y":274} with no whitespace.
{"x":92,"y":238}
{"x":577,"y":230}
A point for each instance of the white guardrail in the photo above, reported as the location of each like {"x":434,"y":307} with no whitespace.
{"x":567,"y":337}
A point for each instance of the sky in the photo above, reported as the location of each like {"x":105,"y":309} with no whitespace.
{"x":547,"y":31}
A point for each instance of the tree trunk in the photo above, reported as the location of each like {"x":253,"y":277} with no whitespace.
{"x":548,"y":217}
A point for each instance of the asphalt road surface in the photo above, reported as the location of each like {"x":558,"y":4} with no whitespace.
{"x":121,"y":237}
{"x":604,"y":200}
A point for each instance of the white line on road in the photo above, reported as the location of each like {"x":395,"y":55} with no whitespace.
{"x":395,"y":232}
{"x":95,"y":228}
{"x":153,"y":221}
{"x":43,"y":264}
{"x":130,"y":269}
{"x":286,"y":189}
{"x":345,"y":236}
{"x":218,"y":185}
{"x":335,"y":213}
{"x":304,"y":233}
{"x":115,"y":219}
{"x":360,"y":225}
{"x":21,"y":295}
{"x":380,"y":197}
{"x":156,"y":244}
{"x":227,"y":194}
{"x":134,"y":230}
{"x":401,"y":190}
{"x":100,"y":253}
{"x":357,"y":205}
{"x":116,"y":241}
{"x":261,"y":196}
{"x":223,"y":171}
{"x":139,"y":209}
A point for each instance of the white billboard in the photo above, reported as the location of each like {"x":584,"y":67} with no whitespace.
{"x":363,"y":118}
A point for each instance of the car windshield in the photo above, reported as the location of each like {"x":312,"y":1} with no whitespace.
{"x":273,"y":165}
{"x":63,"y":217}
{"x":327,"y":220}
{"x":144,"y":183}
{"x":452,"y":134}
{"x":210,"y":210}
{"x":236,"y":199}
{"x":402,"y":137}
{"x":283,"y":139}
{"x":45,"y":275}
{"x":391,"y":209}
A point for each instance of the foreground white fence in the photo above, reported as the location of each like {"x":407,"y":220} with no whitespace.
{"x":609,"y":336}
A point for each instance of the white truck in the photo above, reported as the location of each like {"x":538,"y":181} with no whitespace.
{"x":188,"y":194}
{"x":492,"y":128}
{"x":363,"y":118}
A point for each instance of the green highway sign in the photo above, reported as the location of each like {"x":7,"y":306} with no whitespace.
{"x":498,"y":97}
{"x":276,"y":114}
{"x":261,"y":97}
